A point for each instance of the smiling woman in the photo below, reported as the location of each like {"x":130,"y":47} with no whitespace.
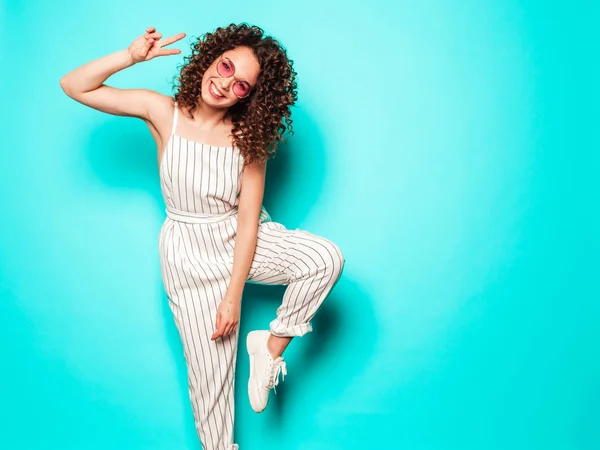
{"x":230,"y":60}
{"x":235,"y":92}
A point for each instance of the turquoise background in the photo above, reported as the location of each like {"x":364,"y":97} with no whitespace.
{"x":448,"y":147}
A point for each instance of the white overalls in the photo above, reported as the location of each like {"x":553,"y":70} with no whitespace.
{"x":200,"y":184}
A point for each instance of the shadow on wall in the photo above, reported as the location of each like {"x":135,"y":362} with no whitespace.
{"x":336,"y":350}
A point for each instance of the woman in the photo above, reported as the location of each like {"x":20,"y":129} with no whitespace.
{"x":214,"y":139}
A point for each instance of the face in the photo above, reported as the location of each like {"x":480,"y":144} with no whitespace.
{"x":232,"y":74}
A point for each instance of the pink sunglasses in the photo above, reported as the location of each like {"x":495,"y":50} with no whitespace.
{"x":226,"y":69}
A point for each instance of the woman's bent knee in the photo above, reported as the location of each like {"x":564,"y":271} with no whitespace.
{"x":331,"y":256}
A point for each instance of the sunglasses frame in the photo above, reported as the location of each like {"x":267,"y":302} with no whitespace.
{"x":223,"y":58}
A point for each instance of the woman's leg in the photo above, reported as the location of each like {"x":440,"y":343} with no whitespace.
{"x":309,"y":264}
{"x":277,"y":344}
{"x":195,"y":289}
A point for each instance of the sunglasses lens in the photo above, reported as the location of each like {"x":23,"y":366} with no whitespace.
{"x":241,"y":89}
{"x":225,"y":68}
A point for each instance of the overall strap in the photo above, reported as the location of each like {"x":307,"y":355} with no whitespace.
{"x":175,"y":118}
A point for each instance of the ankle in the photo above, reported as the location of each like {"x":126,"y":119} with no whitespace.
{"x":276,"y":345}
{"x":272,"y":348}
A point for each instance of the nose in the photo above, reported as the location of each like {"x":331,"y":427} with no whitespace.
{"x":225,"y":83}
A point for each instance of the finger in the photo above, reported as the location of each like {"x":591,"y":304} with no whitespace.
{"x":150,"y":29}
{"x":224,"y":327}
{"x":156,"y":35}
{"x":171,"y":39}
{"x":218,"y":331}
{"x":146,"y":47}
{"x":151,"y":44}
{"x":230,"y":329}
{"x":172,"y":51}
{"x":150,"y":40}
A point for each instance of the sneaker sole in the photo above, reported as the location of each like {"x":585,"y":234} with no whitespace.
{"x":252,"y":385}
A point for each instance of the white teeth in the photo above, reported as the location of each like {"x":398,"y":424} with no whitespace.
{"x":214,"y":90}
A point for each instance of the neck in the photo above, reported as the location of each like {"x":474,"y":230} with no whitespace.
{"x":209,"y":116}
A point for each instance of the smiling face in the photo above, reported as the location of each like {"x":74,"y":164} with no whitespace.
{"x":238,"y":65}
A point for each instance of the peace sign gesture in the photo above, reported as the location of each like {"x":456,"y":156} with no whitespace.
{"x":148,"y":45}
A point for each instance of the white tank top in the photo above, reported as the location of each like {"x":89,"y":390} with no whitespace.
{"x":197,"y":177}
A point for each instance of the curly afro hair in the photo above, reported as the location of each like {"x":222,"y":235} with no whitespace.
{"x":258,"y":120}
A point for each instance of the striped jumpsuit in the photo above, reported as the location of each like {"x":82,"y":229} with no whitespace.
{"x":200,"y":184}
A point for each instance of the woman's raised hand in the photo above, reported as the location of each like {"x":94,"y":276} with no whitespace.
{"x":149,"y":45}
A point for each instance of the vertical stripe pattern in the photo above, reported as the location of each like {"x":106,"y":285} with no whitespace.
{"x":196,"y":261}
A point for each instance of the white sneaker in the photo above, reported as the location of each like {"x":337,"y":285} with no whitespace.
{"x":264,"y":369}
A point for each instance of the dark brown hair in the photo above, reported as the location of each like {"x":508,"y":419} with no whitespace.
{"x":258,"y":120}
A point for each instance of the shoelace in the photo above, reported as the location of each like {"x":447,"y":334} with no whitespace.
{"x":276,"y":367}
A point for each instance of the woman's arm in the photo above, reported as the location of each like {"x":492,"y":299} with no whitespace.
{"x":251,"y":197}
{"x":92,"y":74}
{"x":85,"y":83}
